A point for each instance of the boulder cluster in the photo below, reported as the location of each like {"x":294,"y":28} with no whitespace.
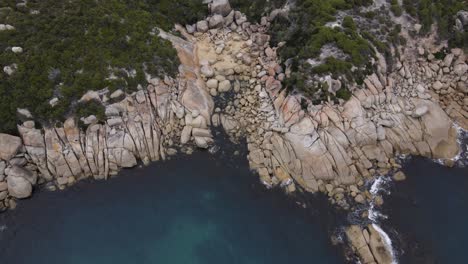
{"x":443,"y":80}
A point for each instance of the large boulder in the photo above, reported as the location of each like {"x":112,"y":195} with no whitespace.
{"x":19,"y":172}
{"x":216,"y":21}
{"x":224,"y":86}
{"x":19,"y":187}
{"x":9,"y":146}
{"x":202,"y":26}
{"x":462,"y":15}
{"x":439,"y":131}
{"x":128,"y":160}
{"x":221,"y":7}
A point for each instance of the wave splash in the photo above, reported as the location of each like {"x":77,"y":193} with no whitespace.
{"x":379,"y":186}
{"x":460,"y":160}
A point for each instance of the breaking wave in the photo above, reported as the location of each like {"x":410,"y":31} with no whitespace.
{"x":380,"y":185}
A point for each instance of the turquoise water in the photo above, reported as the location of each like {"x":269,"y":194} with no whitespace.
{"x":198,"y":209}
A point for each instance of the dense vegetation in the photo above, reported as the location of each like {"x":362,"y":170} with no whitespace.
{"x":255,"y":9}
{"x":78,"y":45}
{"x":306,"y":32}
{"x":441,"y":12}
{"x":73,"y":46}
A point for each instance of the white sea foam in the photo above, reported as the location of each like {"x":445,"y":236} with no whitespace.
{"x":381,"y":183}
{"x":461,"y":159}
{"x":379,"y":186}
{"x":387,"y":242}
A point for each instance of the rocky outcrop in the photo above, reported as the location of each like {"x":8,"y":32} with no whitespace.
{"x":368,"y":244}
{"x":332,"y":148}
{"x":145,"y":125}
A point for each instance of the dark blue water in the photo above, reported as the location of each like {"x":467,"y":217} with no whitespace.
{"x":429,"y":213}
{"x":196,"y":209}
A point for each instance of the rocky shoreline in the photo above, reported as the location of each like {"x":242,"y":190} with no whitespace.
{"x":230,"y":77}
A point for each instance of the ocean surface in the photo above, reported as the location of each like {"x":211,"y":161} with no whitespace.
{"x":428,"y":213}
{"x":201,"y":208}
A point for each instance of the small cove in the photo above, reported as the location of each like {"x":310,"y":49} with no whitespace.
{"x":201,"y":208}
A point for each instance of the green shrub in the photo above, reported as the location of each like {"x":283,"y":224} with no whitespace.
{"x":305,"y":34}
{"x":73,"y":46}
{"x":441,"y":12}
{"x":348,"y":23}
{"x":396,"y":8}
{"x":91,"y":107}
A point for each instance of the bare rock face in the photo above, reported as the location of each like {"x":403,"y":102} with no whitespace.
{"x":439,"y":131}
{"x":9,"y":146}
{"x":221,"y":7}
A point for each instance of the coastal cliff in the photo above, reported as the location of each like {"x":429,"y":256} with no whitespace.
{"x":230,"y":77}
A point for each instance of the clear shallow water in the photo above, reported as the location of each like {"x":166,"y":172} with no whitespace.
{"x":196,"y":209}
{"x":428,"y":213}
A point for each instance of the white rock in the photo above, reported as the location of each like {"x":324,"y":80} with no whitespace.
{"x":420,"y":111}
{"x":117,"y":94}
{"x":195,"y":113}
{"x":201,"y":132}
{"x":10,"y":69}
{"x":114,"y":121}
{"x":437,"y":85}
{"x":89,"y":120}
{"x":190,"y":28}
{"x":112,"y":111}
{"x":417,"y":27}
{"x":420,"y":88}
{"x":9,"y":146}
{"x":221,"y":7}
{"x":90,"y":95}
{"x":207,"y":71}
{"x":17,"y":49}
{"x":460,"y":69}
{"x":16,"y":171}
{"x":224,"y":86}
{"x":448,"y":59}
{"x":185,"y":135}
{"x":216,"y":21}
{"x":202,"y":26}
{"x":19,"y":187}
{"x":54,"y":101}
{"x":212,"y":84}
{"x":421,"y":51}
{"x":4,"y":27}
{"x":24,"y":112}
